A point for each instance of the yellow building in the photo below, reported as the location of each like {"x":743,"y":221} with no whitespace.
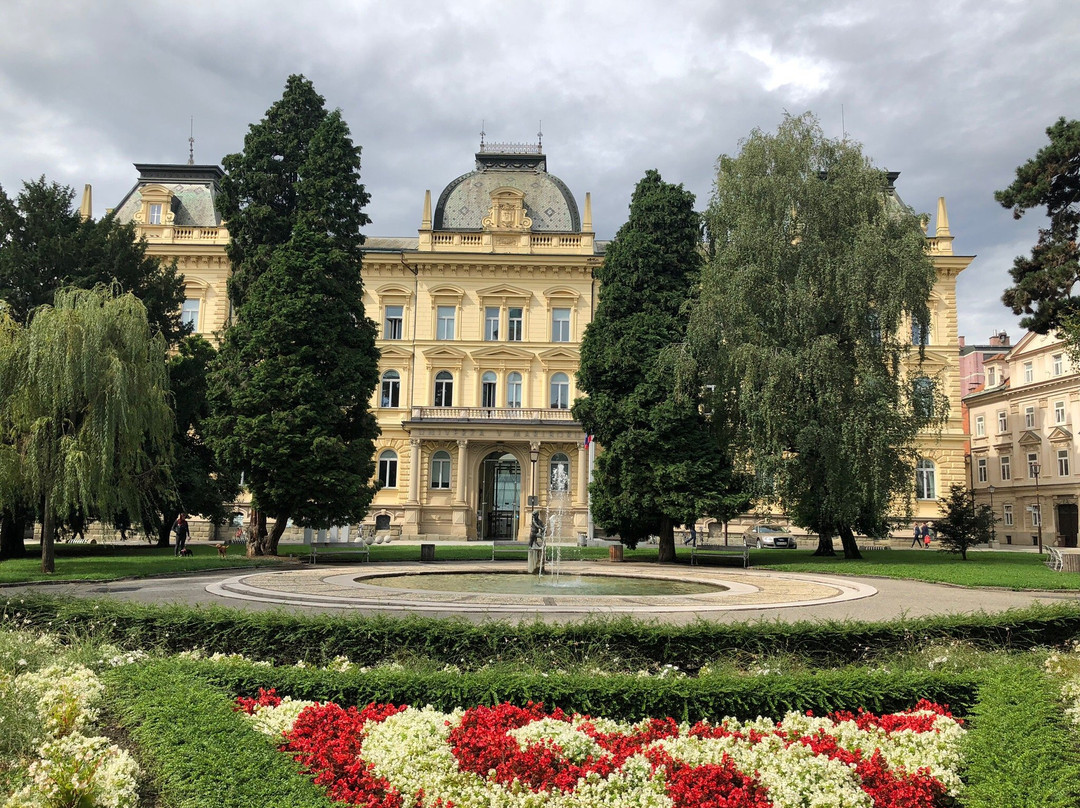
{"x":481,"y":317}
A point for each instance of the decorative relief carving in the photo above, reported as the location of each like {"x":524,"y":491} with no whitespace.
{"x":507,"y":211}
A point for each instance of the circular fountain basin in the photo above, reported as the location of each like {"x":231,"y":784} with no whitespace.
{"x":520,"y":583}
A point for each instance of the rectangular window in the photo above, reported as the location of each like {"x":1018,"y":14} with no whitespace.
{"x":980,"y":426}
{"x":920,"y":335}
{"x":1033,"y":465}
{"x":1007,"y":515}
{"x":1059,"y":412}
{"x":990,"y":378}
{"x":1063,"y":462}
{"x":982,"y":469}
{"x":491,"y":323}
{"x":444,"y":328}
{"x":1029,"y":372}
{"x":1003,"y":422}
{"x":1059,"y":364}
{"x":513,"y":325}
{"x":1029,"y":417}
{"x":560,"y":325}
{"x":155,"y":214}
{"x":1036,"y":516}
{"x":392,"y":325}
{"x":189,"y":314}
{"x":1006,"y":468}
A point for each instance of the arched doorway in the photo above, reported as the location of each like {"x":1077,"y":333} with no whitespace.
{"x":499,"y":507}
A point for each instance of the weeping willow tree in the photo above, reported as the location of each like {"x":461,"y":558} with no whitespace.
{"x":87,"y":418}
{"x":817,"y":270}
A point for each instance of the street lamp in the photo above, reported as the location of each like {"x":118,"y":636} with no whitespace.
{"x":993,"y":521}
{"x":1035,"y":469}
{"x":534,"y":455}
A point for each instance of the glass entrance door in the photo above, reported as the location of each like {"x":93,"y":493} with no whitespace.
{"x":500,"y":497}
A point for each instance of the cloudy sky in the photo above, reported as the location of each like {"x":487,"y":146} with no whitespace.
{"x":952,"y":94}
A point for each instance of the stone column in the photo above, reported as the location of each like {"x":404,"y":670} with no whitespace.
{"x":414,"y":471}
{"x":582,"y":476}
{"x":462,"y":464}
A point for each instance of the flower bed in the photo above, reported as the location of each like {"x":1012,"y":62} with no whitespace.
{"x":388,"y":756}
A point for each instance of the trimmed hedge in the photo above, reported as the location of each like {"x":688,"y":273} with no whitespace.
{"x":624,"y":642}
{"x":1019,"y":751}
{"x":201,"y":753}
{"x":620,"y":697}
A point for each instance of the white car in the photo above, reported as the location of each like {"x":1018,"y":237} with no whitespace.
{"x":761,"y":536}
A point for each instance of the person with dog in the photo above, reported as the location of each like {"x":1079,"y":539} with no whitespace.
{"x":183,"y":533}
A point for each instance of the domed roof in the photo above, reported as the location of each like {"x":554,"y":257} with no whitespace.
{"x":465,"y":202}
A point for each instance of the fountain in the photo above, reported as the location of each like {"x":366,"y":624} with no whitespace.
{"x":550,"y":556}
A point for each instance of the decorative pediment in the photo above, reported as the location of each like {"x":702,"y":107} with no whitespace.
{"x":447,"y":293}
{"x":393,"y":352}
{"x":507,"y":211}
{"x":444,"y":357}
{"x":1029,"y":438}
{"x":393,"y":291}
{"x":559,"y":358}
{"x":1059,"y":434}
{"x":502,"y":353}
{"x":504,"y":292}
{"x":561,"y":293}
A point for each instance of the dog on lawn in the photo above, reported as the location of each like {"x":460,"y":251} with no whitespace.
{"x":185,"y":551}
{"x":222,"y":549}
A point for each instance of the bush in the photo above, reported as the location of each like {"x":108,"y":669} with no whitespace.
{"x":1019,"y":750}
{"x":616,"y":644}
{"x":201,"y":753}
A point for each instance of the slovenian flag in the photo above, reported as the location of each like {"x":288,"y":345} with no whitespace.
{"x":588,"y":439}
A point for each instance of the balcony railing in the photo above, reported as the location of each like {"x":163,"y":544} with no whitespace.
{"x":487,"y":414}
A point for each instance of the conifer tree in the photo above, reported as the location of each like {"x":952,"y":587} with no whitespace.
{"x":291,"y":385}
{"x":659,"y":465}
{"x":803,"y":319}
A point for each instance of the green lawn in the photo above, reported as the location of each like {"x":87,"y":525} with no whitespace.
{"x":1008,"y":570}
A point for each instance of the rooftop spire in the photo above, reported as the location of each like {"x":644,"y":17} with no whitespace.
{"x":191,"y":143}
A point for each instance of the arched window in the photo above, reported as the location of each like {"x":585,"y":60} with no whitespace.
{"x":440,"y":470}
{"x":391,"y":389}
{"x":388,"y":469}
{"x":560,"y":472}
{"x":513,"y":390}
{"x":560,"y":391}
{"x":925,"y":479}
{"x":444,"y":389}
{"x":487,"y":390}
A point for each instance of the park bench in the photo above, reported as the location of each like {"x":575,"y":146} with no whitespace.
{"x":1054,"y":560}
{"x":338,"y":541}
{"x":730,"y":550}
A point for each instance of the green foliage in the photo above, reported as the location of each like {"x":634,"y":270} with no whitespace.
{"x":618,"y":644}
{"x":45,"y":245}
{"x":660,"y":465}
{"x":1043,"y":283}
{"x":624,"y":697}
{"x":817,"y":269}
{"x":291,"y":385}
{"x":90,"y":417}
{"x":1019,"y":750}
{"x":964,"y":524}
{"x":200,"y":752}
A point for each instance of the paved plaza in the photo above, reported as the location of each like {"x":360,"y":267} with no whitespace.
{"x":747,"y":595}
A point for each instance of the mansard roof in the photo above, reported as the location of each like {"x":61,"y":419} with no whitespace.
{"x":194,"y":189}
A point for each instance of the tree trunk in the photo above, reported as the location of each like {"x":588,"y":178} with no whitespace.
{"x":165,"y":530}
{"x":48,"y":539}
{"x":280,"y":523}
{"x":666,"y":554}
{"x":12,"y":533}
{"x":257,"y":534}
{"x":824,"y":545}
{"x":851,"y":547}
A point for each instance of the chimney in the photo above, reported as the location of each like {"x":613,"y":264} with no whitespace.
{"x":960,"y":341}
{"x":999,"y":340}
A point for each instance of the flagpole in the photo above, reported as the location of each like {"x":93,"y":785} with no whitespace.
{"x":592,"y":461}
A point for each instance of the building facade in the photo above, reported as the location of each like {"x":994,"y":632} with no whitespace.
{"x":1023,"y":445}
{"x":480,"y":319}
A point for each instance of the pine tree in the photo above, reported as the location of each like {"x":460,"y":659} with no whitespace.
{"x":291,"y":386}
{"x":964,"y":524}
{"x":660,"y":465}
{"x":1043,"y":283}
{"x":816,"y":269}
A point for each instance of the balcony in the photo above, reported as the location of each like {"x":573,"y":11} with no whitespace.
{"x":487,"y":415}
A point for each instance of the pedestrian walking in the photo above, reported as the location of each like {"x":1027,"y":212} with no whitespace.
{"x":917,"y":541}
{"x":183,"y":532}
